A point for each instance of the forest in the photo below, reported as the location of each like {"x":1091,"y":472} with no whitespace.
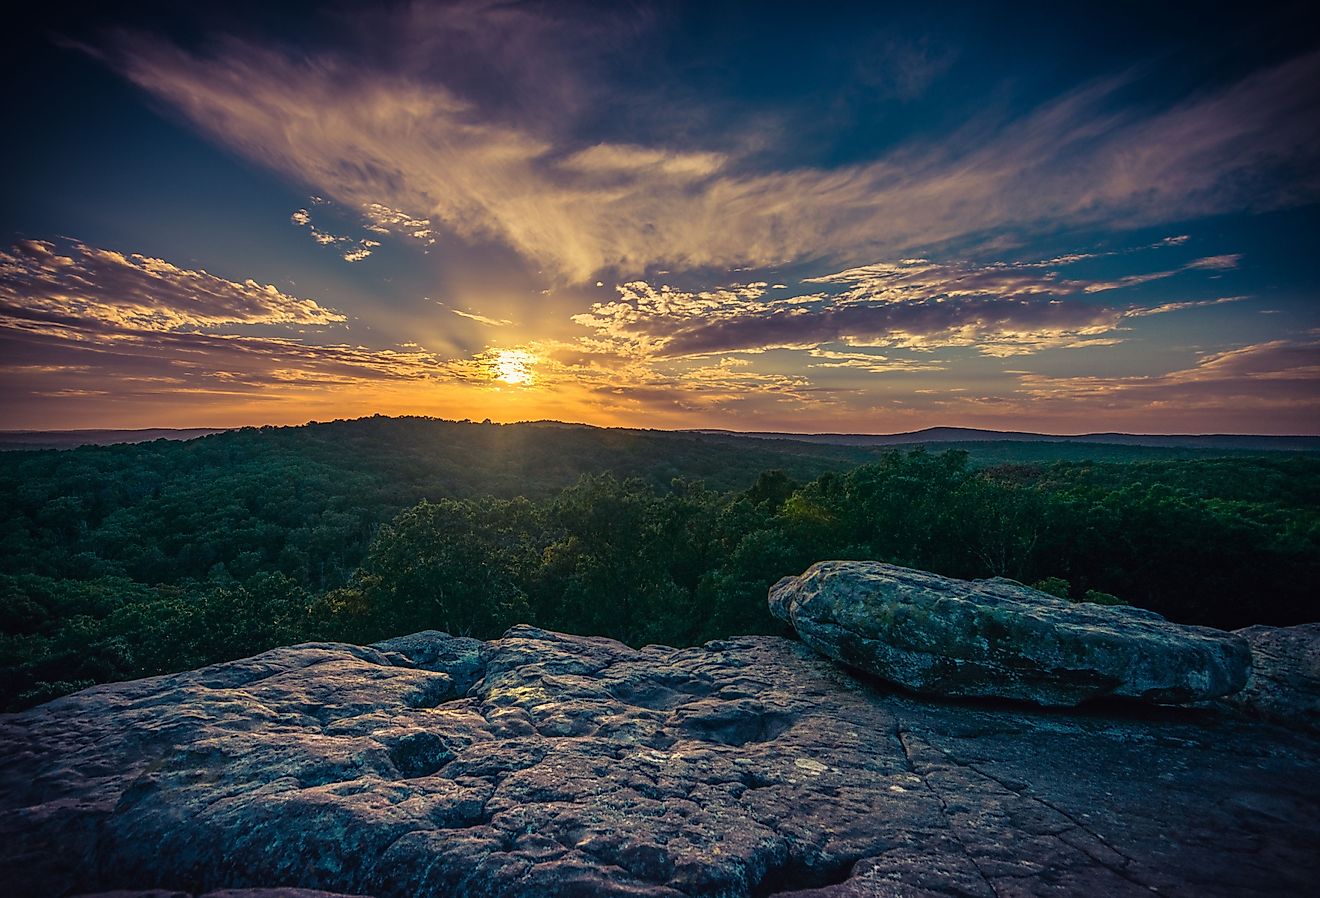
{"x":133,"y":560}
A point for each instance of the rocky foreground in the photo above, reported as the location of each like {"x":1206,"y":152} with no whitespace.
{"x":542,"y":764}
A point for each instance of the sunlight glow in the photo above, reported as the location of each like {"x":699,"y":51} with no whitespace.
{"x":513,"y":366}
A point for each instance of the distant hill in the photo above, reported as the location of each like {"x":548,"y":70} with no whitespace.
{"x":71,"y":439}
{"x":985,"y":446}
{"x":413,"y":457}
{"x":1247,"y":442}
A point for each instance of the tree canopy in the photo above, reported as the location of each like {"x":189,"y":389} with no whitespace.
{"x":129,"y":561}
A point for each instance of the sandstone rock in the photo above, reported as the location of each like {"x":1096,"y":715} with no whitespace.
{"x":940,"y":636}
{"x":580,"y":767}
{"x":1284,"y":683}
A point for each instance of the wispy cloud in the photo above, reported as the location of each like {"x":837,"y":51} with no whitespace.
{"x":999,"y":309}
{"x":1210,"y":263}
{"x":77,"y":317}
{"x":482,"y":319}
{"x":1264,"y":387}
{"x":869,"y":362}
{"x":351,"y":250}
{"x":406,"y":148}
{"x":1181,"y":306}
{"x":81,"y":323}
{"x":1274,"y":375}
{"x":52,"y":281}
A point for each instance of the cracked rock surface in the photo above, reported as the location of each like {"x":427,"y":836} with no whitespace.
{"x":542,"y":764}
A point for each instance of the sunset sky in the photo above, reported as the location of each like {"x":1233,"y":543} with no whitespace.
{"x":810,"y":217}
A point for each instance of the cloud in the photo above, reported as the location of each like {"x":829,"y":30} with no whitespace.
{"x":627,"y":162}
{"x":725,"y":386}
{"x":80,"y":321}
{"x":402,"y":141}
{"x":921,"y":278}
{"x":482,"y":319}
{"x":384,"y":220}
{"x":67,"y":280}
{"x":993,"y":326}
{"x":1279,"y":374}
{"x":80,"y":324}
{"x":124,"y":362}
{"x":352,"y":251}
{"x":1181,"y":306}
{"x":999,"y":309}
{"x":1210,"y":263}
{"x":870,"y":363}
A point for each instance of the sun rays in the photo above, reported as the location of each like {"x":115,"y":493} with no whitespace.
{"x":513,"y":366}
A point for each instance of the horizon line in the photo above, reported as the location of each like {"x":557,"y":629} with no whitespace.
{"x":704,"y":430}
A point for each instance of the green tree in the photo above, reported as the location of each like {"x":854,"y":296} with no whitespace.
{"x":434,"y":567}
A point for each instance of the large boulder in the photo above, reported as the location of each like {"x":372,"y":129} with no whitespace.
{"x":576,"y":766}
{"x":1284,"y":683}
{"x":940,"y":636}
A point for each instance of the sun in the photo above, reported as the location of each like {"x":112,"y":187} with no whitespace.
{"x":513,"y":366}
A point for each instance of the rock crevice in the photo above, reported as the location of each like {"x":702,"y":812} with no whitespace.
{"x":556,"y":765}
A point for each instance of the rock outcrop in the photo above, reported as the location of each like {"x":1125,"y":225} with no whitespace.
{"x":939,"y":636}
{"x":221,"y":893}
{"x":1284,"y":683}
{"x":548,"y":765}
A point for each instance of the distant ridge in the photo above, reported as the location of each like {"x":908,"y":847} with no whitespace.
{"x":70,"y":439}
{"x":1296,"y":443}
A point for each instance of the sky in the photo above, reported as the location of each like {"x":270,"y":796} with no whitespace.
{"x":807,"y":217}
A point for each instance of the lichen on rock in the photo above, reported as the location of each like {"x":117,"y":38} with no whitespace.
{"x":940,"y":636}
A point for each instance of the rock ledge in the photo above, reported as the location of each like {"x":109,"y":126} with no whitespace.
{"x":549,"y":765}
{"x":940,"y":636}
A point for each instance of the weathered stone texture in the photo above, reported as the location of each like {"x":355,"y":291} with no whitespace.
{"x":940,"y":636}
{"x":1284,"y":683}
{"x":571,"y":766}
